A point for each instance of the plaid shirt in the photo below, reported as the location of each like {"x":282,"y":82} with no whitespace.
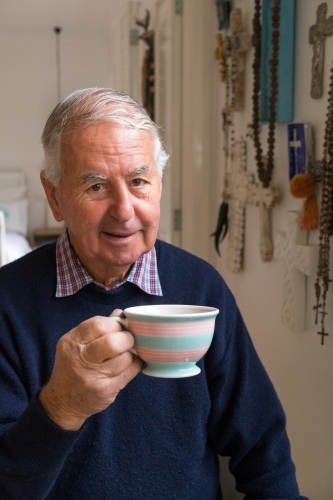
{"x":72,"y":276}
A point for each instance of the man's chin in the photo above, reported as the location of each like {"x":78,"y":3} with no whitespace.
{"x":122,"y":257}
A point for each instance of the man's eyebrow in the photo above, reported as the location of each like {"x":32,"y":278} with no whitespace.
{"x":91,"y":176}
{"x":143,"y":169}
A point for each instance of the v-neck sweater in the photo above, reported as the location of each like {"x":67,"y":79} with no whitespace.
{"x":161,"y":438}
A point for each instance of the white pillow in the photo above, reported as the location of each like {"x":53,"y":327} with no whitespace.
{"x":15,"y":246}
{"x":16,"y":215}
{"x":12,"y":193}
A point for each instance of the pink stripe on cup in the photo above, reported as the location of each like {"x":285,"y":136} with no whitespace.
{"x":175,"y":329}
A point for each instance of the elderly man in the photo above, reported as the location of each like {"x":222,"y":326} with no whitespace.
{"x":78,"y":419}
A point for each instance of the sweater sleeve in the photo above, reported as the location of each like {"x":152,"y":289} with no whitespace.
{"x":32,"y":453}
{"x":247,"y":422}
{"x":32,"y":448}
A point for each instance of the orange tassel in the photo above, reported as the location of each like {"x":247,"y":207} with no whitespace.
{"x":309,"y":216}
{"x":303,"y":186}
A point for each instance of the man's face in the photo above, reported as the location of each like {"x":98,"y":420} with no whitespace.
{"x":109,"y":196}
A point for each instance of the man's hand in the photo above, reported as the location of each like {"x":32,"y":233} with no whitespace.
{"x":92,"y":364}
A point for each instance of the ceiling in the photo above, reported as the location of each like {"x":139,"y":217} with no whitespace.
{"x":77,"y":18}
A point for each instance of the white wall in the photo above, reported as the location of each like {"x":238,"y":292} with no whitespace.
{"x":300,"y":367}
{"x":29,"y":93}
{"x":197,"y":126}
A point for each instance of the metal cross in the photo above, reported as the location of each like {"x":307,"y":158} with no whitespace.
{"x":317,"y":34}
{"x":323,"y":335}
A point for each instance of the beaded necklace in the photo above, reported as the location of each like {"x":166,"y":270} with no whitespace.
{"x":265,"y":165}
{"x":326,"y":216}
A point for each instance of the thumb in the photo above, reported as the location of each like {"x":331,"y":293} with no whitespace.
{"x":118,"y":312}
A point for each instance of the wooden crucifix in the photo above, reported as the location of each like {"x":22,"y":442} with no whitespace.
{"x":238,"y":43}
{"x":148,"y":66}
{"x":237,"y":185}
{"x":300,"y":260}
{"x":265,"y":198}
{"x":317,"y":34}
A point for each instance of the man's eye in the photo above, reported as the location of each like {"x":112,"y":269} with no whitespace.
{"x":137,"y":182}
{"x":96,"y":187}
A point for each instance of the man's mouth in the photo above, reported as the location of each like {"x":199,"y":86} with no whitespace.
{"x":120,"y":236}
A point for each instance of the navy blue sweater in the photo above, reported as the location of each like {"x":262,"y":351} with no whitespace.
{"x":161,"y":438}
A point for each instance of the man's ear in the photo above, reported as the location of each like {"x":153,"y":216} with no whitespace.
{"x":160,"y":187}
{"x":50,"y":189}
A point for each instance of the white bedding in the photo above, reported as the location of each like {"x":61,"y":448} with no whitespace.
{"x":16,"y":246}
{"x":13,"y":216}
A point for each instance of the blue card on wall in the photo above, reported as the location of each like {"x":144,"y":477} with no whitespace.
{"x":300,"y":148}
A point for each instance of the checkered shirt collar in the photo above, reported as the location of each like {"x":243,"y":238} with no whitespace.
{"x":72,"y":276}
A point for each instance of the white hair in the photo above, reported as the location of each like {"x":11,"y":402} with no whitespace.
{"x":86,"y":107}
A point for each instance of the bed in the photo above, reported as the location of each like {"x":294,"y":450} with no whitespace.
{"x":13,"y":216}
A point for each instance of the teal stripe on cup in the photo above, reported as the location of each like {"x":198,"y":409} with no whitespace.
{"x":171,"y":343}
{"x":166,"y":319}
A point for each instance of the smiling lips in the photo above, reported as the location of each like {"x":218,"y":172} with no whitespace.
{"x":119,"y":236}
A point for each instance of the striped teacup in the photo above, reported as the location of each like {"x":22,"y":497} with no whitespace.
{"x":170,"y":338}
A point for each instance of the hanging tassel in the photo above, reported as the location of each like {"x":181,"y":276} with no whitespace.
{"x":221,"y":227}
{"x":304,"y":186}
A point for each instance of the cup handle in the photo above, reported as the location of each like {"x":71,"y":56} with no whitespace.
{"x":123,"y":322}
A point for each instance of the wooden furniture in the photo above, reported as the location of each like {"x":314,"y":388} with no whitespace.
{"x":42,"y":236}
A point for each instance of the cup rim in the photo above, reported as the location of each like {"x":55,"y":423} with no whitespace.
{"x":144,"y":310}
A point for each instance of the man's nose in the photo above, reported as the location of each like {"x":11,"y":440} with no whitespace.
{"x":121,"y":206}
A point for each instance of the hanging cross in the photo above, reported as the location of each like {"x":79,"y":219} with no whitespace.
{"x":265,"y":199}
{"x":320,"y":310}
{"x":300,"y":260}
{"x":317,"y":34}
{"x":323,"y":334}
{"x":238,"y":43}
{"x":237,"y":185}
{"x":220,"y":56}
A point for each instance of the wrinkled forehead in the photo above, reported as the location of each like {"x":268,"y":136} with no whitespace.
{"x":104,"y":129}
{"x":78,"y":122}
{"x":105,"y":142}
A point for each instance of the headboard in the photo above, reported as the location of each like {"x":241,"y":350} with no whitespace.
{"x":11,"y":178}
